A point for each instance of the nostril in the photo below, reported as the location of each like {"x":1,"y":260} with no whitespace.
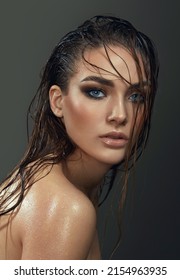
{"x":120,"y":120}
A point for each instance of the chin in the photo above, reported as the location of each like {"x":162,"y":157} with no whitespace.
{"x":108,"y":158}
{"x":111,"y":161}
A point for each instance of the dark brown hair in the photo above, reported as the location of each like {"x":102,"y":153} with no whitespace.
{"x":49,"y":142}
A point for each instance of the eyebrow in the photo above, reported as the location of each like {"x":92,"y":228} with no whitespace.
{"x":99,"y":80}
{"x":110,"y":83}
{"x":140,"y":84}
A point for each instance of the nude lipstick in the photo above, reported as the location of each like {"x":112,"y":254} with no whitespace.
{"x":114,"y":139}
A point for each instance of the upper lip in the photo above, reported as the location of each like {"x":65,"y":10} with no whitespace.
{"x":115,"y":135}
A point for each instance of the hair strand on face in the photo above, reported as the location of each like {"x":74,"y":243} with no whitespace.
{"x":49,"y":142}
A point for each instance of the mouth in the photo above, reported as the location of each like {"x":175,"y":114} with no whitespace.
{"x":114,"y":139}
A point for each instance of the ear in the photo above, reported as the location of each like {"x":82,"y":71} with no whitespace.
{"x":55,"y":99}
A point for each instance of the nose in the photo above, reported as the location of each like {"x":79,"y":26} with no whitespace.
{"x":118,"y":112}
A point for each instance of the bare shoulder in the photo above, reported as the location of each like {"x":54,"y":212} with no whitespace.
{"x":55,"y":192}
{"x":61,"y":219}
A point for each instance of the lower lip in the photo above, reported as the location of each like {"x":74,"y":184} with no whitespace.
{"x":114,"y":143}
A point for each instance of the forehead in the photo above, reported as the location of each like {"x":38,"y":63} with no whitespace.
{"x":112,"y":62}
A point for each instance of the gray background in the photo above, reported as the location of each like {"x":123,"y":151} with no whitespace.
{"x":29,"y":30}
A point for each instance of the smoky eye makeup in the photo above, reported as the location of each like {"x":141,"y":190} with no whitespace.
{"x":93,"y":92}
{"x":137,"y":97}
{"x":137,"y":94}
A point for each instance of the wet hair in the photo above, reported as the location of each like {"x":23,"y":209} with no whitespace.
{"x":49,"y":143}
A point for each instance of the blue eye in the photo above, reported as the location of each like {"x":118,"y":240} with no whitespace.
{"x":137,"y":98}
{"x":95,"y":93}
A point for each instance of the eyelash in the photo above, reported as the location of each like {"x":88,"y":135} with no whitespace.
{"x":139,"y":97}
{"x":89,"y":94}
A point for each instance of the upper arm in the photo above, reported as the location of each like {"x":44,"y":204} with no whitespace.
{"x":59,"y":229}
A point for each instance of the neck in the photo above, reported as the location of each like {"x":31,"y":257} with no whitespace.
{"x":84,"y":172}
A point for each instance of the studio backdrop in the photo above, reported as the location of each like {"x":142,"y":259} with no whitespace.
{"x":29,"y":30}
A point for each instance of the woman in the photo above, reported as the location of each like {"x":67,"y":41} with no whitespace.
{"x":92,"y":114}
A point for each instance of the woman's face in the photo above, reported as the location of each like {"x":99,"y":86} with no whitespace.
{"x":99,"y":107}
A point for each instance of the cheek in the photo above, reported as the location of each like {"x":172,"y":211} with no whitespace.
{"x":137,"y":123}
{"x":138,"y":116}
{"x":140,"y":127}
{"x":79,"y":115}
